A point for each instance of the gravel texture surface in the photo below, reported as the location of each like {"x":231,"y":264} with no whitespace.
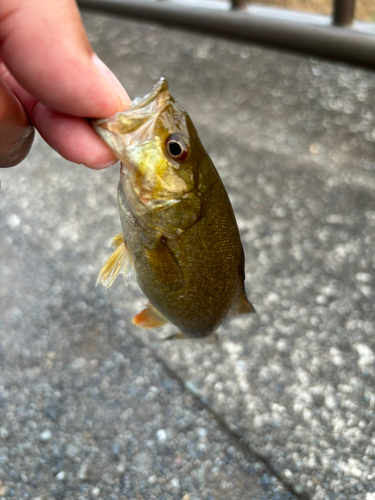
{"x":87,"y":408}
{"x":87,"y":412}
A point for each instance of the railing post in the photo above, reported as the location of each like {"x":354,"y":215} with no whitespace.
{"x":238,"y":4}
{"x":343,"y":12}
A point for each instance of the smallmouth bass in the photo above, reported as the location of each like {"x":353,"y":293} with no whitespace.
{"x":180,"y":236}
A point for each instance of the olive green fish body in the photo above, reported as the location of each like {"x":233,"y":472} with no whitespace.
{"x":179,"y":227}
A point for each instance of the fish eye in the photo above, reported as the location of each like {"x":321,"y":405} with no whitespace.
{"x":177,"y":149}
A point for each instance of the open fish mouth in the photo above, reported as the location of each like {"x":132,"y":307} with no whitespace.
{"x":132,"y":121}
{"x":156,"y":96}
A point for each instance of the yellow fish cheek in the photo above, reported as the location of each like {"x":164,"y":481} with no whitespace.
{"x":154,"y":177}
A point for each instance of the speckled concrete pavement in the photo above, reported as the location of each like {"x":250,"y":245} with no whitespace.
{"x":90,"y":406}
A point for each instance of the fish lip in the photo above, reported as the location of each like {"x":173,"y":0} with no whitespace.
{"x":130,"y":126}
{"x":139,"y":103}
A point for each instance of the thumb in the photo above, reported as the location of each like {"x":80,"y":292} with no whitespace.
{"x":45,"y":47}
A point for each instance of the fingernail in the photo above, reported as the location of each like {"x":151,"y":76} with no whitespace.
{"x":101,"y":167}
{"x":112,"y":80}
{"x":109,"y":164}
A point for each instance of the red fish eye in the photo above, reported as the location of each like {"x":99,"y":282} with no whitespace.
{"x":177,"y":148}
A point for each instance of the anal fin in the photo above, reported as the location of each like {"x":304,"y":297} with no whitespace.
{"x":149,"y":317}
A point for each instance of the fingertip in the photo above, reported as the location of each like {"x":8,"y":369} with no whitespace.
{"x":99,"y":166}
{"x":73,"y":138}
{"x":116,"y":86}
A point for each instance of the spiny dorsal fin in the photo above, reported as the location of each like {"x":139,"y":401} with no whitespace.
{"x":119,"y":262}
{"x":149,"y":317}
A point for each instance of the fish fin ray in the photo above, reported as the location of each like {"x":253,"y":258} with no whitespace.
{"x":166,"y":267}
{"x":149,"y":317}
{"x":116,"y":241}
{"x":119,"y":262}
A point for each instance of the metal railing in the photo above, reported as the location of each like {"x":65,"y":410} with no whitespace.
{"x":343,"y":12}
{"x":337,"y":37}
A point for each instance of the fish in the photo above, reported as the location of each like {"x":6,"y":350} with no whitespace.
{"x":180,"y":238}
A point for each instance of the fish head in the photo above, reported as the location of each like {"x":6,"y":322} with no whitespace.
{"x":159,"y":151}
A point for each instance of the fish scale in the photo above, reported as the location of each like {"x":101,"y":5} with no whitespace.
{"x":180,"y":236}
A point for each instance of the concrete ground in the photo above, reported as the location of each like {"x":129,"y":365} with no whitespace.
{"x":283,"y":407}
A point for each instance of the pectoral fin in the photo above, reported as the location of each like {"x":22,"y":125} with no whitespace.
{"x":165,"y":266}
{"x":119,"y":262}
{"x":149,"y":317}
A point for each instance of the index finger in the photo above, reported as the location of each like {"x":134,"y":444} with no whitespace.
{"x":16,"y":131}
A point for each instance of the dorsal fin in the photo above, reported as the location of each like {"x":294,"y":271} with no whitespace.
{"x":244,"y":306}
{"x":119,"y":262}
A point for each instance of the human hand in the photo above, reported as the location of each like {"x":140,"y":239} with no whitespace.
{"x":50,"y":76}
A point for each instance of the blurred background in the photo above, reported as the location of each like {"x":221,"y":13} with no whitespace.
{"x":283,"y":406}
{"x":364,"y":9}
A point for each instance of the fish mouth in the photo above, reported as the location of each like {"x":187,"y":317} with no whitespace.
{"x":156,"y":95}
{"x":133,"y":124}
